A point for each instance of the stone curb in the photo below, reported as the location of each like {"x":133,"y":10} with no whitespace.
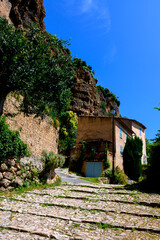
{"x":155,"y":230}
{"x":43,"y":234}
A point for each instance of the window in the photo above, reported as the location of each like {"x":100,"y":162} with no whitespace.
{"x":140,"y":131}
{"x":120,"y":132}
{"x":121,"y":150}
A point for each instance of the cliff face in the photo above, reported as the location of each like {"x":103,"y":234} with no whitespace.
{"x":86,"y":100}
{"x":22,"y":12}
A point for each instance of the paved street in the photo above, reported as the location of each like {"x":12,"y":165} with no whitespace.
{"x":80,"y":211}
{"x":70,"y":178}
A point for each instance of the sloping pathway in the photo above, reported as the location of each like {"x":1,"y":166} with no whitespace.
{"x":80,"y":211}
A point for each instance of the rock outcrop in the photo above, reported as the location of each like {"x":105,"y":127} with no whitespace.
{"x":22,"y":12}
{"x":86,"y":100}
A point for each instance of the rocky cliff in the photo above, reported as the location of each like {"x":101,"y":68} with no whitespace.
{"x":22,"y":12}
{"x":86,"y":100}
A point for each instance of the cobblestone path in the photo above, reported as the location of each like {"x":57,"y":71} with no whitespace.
{"x":81,"y":211}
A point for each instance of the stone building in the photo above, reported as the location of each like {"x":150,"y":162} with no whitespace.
{"x":96,"y":132}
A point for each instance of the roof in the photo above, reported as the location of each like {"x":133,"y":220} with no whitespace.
{"x":124,"y":125}
{"x":135,"y":121}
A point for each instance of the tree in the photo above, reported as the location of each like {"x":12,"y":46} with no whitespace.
{"x":38,"y":66}
{"x":148,"y":151}
{"x":10,"y":143}
{"x":132,"y":157}
{"x":67,"y":133}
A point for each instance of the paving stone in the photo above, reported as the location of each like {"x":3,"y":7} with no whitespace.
{"x":81,"y":211}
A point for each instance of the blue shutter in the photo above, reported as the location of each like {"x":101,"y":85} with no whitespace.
{"x":120,"y":132}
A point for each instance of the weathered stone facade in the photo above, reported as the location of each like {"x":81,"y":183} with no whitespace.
{"x":38,"y":134}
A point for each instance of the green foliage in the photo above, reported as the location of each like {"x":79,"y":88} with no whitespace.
{"x":158,"y":108}
{"x":157,"y":137}
{"x":38,"y":66}
{"x":103,"y":107}
{"x":10,"y":143}
{"x":96,"y":80}
{"x":82,"y":153}
{"x":132,"y":158}
{"x":68,"y":132}
{"x":52,"y":160}
{"x":120,"y":176}
{"x":35,"y":64}
{"x":106,"y":162}
{"x":106,"y":92}
{"x":153,"y":175}
{"x":148,"y":151}
{"x":78,"y":63}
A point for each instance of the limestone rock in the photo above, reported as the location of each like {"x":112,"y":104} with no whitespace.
{"x":86,"y":100}
{"x":18,"y":166}
{"x":5,"y":183}
{"x":12,"y":169}
{"x":24,"y":175}
{"x":2,"y":189}
{"x":1,"y":176}
{"x":22,"y":12}
{"x":11,"y":162}
{"x":17,"y":182}
{"x":8,"y":175}
{"x":10,"y":188}
{"x":3,"y":167}
{"x":5,"y":8}
{"x":19,"y":173}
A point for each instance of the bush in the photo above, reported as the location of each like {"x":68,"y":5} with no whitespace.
{"x":132,"y":158}
{"x":52,"y":160}
{"x":153,"y":176}
{"x":11,"y":145}
{"x":120,"y":176}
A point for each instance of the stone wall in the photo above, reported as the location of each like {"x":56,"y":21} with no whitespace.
{"x":14,"y":173}
{"x":38,"y":134}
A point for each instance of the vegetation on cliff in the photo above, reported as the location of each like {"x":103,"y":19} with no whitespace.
{"x":39,"y":66}
{"x":29,"y":65}
{"x":106,"y":93}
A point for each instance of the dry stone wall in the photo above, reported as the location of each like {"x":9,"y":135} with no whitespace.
{"x":38,"y":134}
{"x":15,"y":173}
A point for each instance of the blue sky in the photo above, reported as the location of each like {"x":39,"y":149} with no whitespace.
{"x":121,"y":41}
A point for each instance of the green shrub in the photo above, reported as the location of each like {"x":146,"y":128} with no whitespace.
{"x":132,"y":158}
{"x":120,"y":176}
{"x":52,"y":160}
{"x":103,"y":107}
{"x":153,"y":175}
{"x":10,"y":143}
{"x":106,"y":93}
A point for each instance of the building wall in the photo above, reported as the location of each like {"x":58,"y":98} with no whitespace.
{"x":90,"y":128}
{"x":38,"y":134}
{"x":119,"y":141}
{"x":136,"y":129}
